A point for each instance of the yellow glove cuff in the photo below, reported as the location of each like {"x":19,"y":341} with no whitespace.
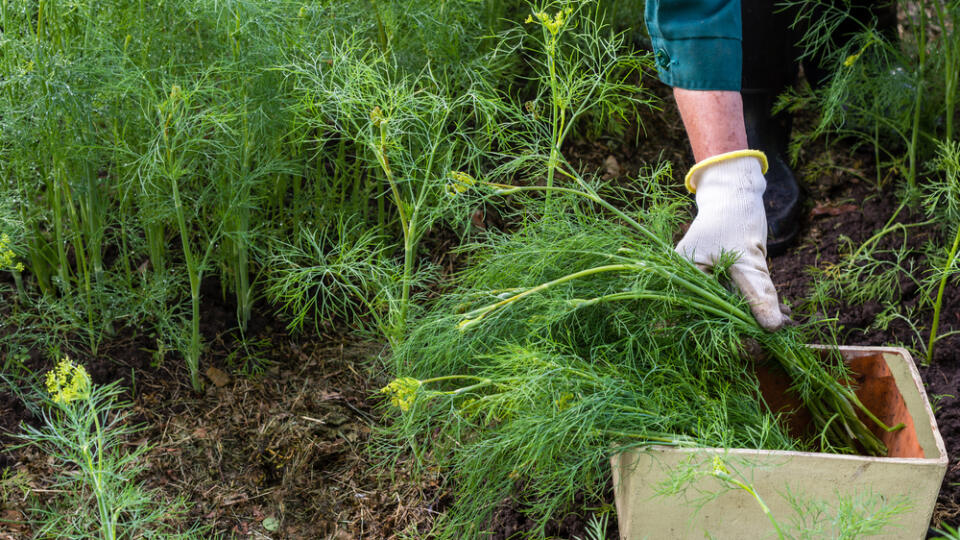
{"x":690,"y":181}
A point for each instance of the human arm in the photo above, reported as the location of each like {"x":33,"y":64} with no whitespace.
{"x":728,"y":178}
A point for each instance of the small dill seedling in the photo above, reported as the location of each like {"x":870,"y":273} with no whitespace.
{"x":85,"y":430}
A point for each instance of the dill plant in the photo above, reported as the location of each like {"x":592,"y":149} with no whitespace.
{"x":891,"y":92}
{"x":411,"y":131}
{"x":85,"y":430}
{"x":580,"y":70}
{"x":943,"y":202}
{"x":396,"y":133}
{"x":583,"y":333}
{"x":328,"y":272}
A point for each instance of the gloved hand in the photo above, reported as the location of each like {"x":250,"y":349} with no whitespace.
{"x":730,"y":219}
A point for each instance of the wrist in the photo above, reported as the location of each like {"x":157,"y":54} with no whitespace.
{"x":739,"y":165}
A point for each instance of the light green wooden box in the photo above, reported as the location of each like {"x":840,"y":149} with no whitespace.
{"x":913,"y":471}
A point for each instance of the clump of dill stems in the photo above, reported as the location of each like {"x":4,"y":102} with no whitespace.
{"x":147,"y":148}
{"x":581,"y":334}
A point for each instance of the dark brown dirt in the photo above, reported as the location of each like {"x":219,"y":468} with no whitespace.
{"x":291,"y":443}
{"x":844,"y":210}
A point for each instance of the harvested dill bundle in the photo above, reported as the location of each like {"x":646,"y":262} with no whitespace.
{"x":579,"y":335}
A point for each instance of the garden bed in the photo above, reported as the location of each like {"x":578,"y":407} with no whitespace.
{"x":292,"y":443}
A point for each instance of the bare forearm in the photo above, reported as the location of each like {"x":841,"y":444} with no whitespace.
{"x":713,"y":120}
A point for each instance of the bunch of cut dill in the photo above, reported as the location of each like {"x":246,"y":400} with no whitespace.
{"x":583,"y":333}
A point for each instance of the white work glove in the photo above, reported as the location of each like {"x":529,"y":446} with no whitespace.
{"x":730,"y":219}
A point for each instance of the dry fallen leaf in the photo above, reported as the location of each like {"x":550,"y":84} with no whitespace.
{"x":825,"y":209}
{"x":12,"y":519}
{"x":613,"y":168}
{"x":217,"y":377}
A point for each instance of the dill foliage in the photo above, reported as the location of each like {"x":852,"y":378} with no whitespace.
{"x":581,"y":334}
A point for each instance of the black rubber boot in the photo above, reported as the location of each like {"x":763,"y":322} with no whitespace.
{"x":781,"y":200}
{"x":769,"y":68}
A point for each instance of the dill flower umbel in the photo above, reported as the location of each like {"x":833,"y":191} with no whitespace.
{"x":460,"y":183}
{"x":719,"y":467}
{"x":552,"y":24}
{"x":376,"y":116}
{"x":7,"y":257}
{"x":68,"y":382}
{"x":402,"y":392}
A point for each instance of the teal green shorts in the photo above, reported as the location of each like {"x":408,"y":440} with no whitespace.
{"x":696,"y":43}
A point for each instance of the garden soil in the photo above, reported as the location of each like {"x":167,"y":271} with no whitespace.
{"x":294,"y":443}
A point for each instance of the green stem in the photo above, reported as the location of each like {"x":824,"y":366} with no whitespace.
{"x":852,"y":398}
{"x":193,"y":353}
{"x":407,"y":228}
{"x":555,"y":116}
{"x":64,"y":266}
{"x":888,"y":228}
{"x":918,"y":102}
{"x":646,"y":295}
{"x":588,"y":195}
{"x":951,"y":258}
{"x":40,"y":18}
{"x":661,"y":440}
{"x":107,"y":522}
{"x":876,"y":149}
{"x":381,"y":29}
{"x":756,"y":496}
{"x":453,"y":378}
{"x":241,"y":232}
{"x":477,"y":315}
{"x":83,"y":267}
{"x":949,"y":52}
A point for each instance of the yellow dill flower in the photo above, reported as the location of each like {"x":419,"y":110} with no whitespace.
{"x":852,"y":59}
{"x":7,"y":256}
{"x":461,"y":183}
{"x":402,"y":392}
{"x":719,"y":467}
{"x":564,"y":401}
{"x":376,"y":116}
{"x":68,"y":381}
{"x":552,"y":24}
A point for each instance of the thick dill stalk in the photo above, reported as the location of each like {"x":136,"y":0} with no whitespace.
{"x":193,"y":350}
{"x":921,"y":36}
{"x":951,"y":59}
{"x":934,"y":327}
